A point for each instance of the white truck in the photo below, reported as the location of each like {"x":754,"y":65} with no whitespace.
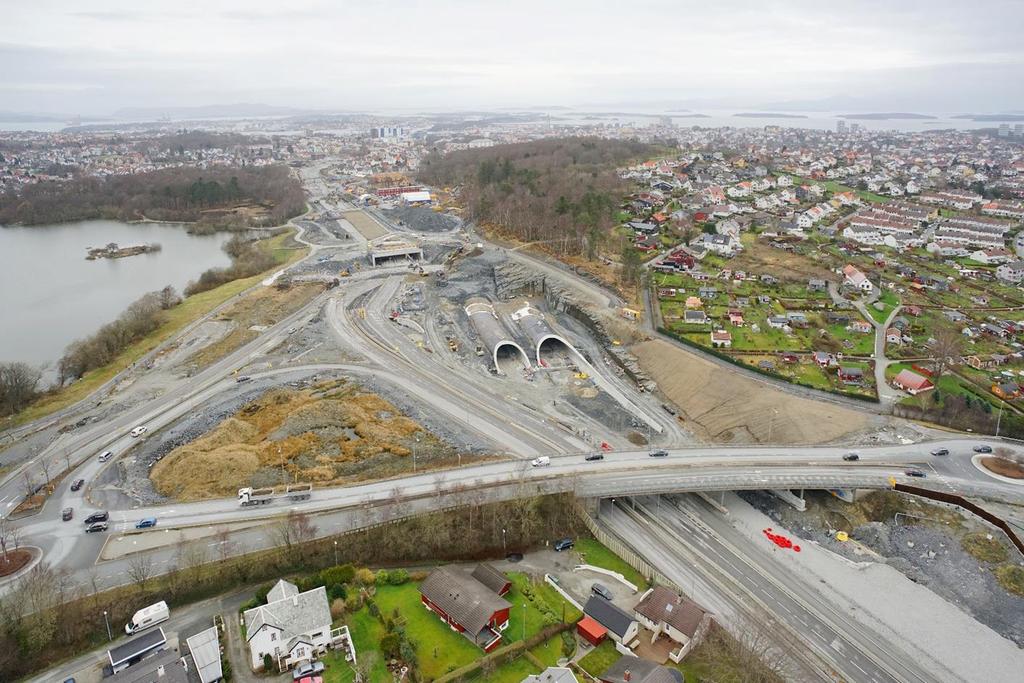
{"x":148,"y":616}
{"x":250,"y":496}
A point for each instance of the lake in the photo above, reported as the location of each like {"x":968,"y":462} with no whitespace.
{"x":50,"y":295}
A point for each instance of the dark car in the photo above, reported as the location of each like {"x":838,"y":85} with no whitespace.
{"x":851,"y":457}
{"x":67,"y":513}
{"x":243,"y":378}
{"x":564,"y":544}
{"x":915,"y":473}
{"x":78,"y":483}
{"x":940,"y":451}
{"x":98,"y":526}
{"x":982,"y":448}
{"x":599,"y":590}
{"x":97,"y":517}
{"x":658,"y":453}
{"x":594,"y":456}
{"x":145,"y":523}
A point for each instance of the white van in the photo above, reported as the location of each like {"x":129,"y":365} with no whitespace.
{"x":148,"y":616}
{"x":138,"y":431}
{"x":106,"y":455}
{"x":542,"y":461}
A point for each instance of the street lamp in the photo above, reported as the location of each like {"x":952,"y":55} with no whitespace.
{"x":335,"y":553}
{"x":502,"y":540}
{"x":524,"y":621}
{"x":107,"y":622}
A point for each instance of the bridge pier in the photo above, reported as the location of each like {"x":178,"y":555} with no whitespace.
{"x":787,"y":496}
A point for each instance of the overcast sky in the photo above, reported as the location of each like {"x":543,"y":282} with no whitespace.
{"x":95,"y":56}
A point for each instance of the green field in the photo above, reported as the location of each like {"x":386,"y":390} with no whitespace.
{"x":596,"y":554}
{"x":596,"y":662}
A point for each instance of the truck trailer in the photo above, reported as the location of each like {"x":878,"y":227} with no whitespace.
{"x":250,"y":496}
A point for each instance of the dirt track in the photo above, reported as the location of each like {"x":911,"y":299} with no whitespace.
{"x":719,"y":406}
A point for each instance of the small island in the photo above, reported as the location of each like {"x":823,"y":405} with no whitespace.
{"x":769,"y":115}
{"x":112,"y":250}
{"x":885,"y":116}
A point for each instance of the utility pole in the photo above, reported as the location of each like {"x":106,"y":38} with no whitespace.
{"x":999,"y":419}
{"x":107,"y":622}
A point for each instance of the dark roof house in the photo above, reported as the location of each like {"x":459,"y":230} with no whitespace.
{"x":467,"y":604}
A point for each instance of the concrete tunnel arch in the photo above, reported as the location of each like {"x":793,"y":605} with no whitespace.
{"x":532,"y":322}
{"x":493,"y":334}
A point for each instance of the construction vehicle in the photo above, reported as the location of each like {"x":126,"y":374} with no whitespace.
{"x":453,"y":344}
{"x":479,"y":349}
{"x":249,"y":496}
{"x":581,"y":375}
{"x":344,"y":273}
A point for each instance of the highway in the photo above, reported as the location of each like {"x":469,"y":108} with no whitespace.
{"x":681,"y":540}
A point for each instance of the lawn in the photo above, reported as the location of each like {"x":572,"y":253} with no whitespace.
{"x":596,"y":554}
{"x":438,"y":648}
{"x":598,"y":661}
{"x":175,"y":319}
{"x":366,"y":633}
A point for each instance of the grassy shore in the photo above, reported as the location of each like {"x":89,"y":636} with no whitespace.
{"x":177,"y":318}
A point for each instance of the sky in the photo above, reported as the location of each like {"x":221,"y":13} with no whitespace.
{"x":93,"y":57}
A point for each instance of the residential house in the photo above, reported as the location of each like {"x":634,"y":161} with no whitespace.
{"x":622,"y":627}
{"x":469,"y":602}
{"x":694,"y":302}
{"x":666,"y":613}
{"x":851,"y":375}
{"x":853,"y":277}
{"x":736,"y":318}
{"x":778,"y":322}
{"x":723,"y":245}
{"x":1012,"y":272}
{"x":293,"y":627}
{"x":815,"y":285}
{"x":721,"y":339}
{"x":630,"y":669}
{"x":824,"y":359}
{"x":695,"y":318}
{"x":1008,"y":391}
{"x":860,"y":326}
{"x":991,"y":256}
{"x":911,"y":382}
{"x":893,"y":336}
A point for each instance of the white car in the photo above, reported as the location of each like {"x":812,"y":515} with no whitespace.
{"x":138,"y":431}
{"x":106,"y":455}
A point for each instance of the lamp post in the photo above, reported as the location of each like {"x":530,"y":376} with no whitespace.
{"x":107,"y":622}
{"x":502,"y":540}
{"x":335,"y":553}
{"x":524,"y":621}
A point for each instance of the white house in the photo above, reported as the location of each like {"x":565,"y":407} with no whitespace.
{"x":666,"y":613}
{"x":1011,"y":272}
{"x":292,"y":627}
{"x":855,"y":278}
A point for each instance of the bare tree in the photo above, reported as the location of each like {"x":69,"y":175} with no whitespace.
{"x":44,"y":465}
{"x":140,"y":569}
{"x":946,"y":351}
{"x":295,"y":529}
{"x":19,"y":386}
{"x":28,"y":485}
{"x":224,"y":543}
{"x":10,"y":537}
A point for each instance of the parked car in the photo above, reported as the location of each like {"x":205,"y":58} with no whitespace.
{"x":77,"y":484}
{"x":138,"y":431}
{"x":594,"y":456}
{"x":308,"y":669}
{"x":658,"y":453}
{"x":602,"y":591}
{"x":145,"y":523}
{"x":101,"y":516}
{"x":94,"y":528}
{"x":982,"y":448}
{"x":851,"y":457}
{"x":940,"y":451}
{"x":67,"y":513}
{"x":106,"y":455}
{"x":564,"y":544}
{"x":915,"y":473}
{"x":243,"y":378}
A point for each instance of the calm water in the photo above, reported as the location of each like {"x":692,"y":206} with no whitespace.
{"x":50,"y":295}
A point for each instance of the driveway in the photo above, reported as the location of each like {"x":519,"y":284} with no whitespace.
{"x":575,"y":583}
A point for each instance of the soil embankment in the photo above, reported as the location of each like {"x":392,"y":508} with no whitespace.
{"x":720,"y":406}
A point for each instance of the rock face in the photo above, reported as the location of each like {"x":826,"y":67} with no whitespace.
{"x":514,"y":279}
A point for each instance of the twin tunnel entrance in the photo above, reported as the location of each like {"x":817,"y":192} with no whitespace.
{"x":504,"y":348}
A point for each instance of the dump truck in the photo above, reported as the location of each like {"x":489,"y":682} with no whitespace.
{"x":250,"y":496}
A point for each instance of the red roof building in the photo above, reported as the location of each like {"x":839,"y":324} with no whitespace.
{"x":591,"y":631}
{"x":911,"y":382}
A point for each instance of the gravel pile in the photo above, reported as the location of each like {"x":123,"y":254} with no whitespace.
{"x":423,"y":219}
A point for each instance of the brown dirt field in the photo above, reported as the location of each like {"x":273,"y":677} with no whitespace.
{"x":15,"y":560}
{"x":720,"y":406}
{"x":263,"y":307}
{"x":758,"y":257}
{"x":331,"y":434}
{"x":1004,"y":467}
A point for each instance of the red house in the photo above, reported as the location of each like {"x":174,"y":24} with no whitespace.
{"x":469,"y":602}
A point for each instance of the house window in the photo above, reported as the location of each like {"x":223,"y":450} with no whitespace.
{"x":273,"y":636}
{"x":318,"y":635}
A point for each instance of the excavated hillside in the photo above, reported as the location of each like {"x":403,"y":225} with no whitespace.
{"x":329,"y":434}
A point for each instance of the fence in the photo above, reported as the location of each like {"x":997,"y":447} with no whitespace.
{"x":954,"y":499}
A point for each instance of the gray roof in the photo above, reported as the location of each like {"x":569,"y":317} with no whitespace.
{"x":552,"y":674}
{"x":641,"y":671}
{"x":205,"y":649}
{"x":490,"y":577}
{"x":608,"y":615}
{"x":162,"y":667}
{"x":295,"y":616}
{"x":463,"y":598}
{"x":281,"y":590}
{"x":138,"y":645}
